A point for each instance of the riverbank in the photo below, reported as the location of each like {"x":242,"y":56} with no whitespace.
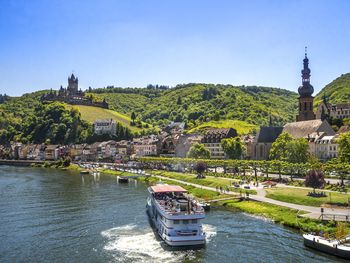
{"x":278,"y":214}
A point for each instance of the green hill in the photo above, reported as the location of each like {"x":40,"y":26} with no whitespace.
{"x":338,"y":91}
{"x":91,"y":114}
{"x":241,"y":126}
{"x":196,"y":104}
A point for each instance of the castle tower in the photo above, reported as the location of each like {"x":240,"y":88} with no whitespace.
{"x":72,"y":85}
{"x":305,"y":91}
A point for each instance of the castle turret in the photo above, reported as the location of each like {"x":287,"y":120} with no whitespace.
{"x":72,"y":85}
{"x":305,"y":91}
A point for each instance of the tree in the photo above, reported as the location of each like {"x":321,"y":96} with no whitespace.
{"x":133,"y":118}
{"x":179,"y":101}
{"x":297,"y":151}
{"x":315,"y":179}
{"x":200,"y":167}
{"x":198,"y":151}
{"x":287,"y":149}
{"x":344,"y":147}
{"x":233,"y":147}
{"x":279,"y":147}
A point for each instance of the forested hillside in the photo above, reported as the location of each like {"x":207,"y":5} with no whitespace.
{"x":199,"y":103}
{"x":338,"y":91}
{"x":26,"y":119}
{"x":200,"y":106}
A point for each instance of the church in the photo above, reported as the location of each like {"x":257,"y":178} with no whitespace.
{"x":73,"y":95}
{"x":306,"y":125}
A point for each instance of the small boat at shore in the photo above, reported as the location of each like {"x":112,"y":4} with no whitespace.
{"x":123,"y":179}
{"x":84,"y":172}
{"x":175,"y":216}
{"x":336,"y":247}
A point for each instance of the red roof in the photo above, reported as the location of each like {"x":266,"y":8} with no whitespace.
{"x":163,"y":188}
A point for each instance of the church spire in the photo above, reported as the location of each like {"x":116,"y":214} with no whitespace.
{"x":306,"y":89}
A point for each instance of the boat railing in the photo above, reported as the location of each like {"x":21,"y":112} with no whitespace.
{"x":170,"y":209}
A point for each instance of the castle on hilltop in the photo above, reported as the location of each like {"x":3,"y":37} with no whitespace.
{"x":73,"y":95}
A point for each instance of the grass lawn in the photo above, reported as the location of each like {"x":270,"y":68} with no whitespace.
{"x":208,"y":181}
{"x":91,"y":114}
{"x":299,"y":196}
{"x":242,"y":127}
{"x":279,"y":214}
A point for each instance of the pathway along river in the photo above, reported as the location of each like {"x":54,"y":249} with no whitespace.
{"x":48,"y":215}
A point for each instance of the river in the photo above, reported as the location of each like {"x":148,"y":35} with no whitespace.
{"x":49,"y":215}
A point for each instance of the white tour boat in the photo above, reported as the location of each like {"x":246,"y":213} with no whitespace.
{"x":337,"y":247}
{"x":175,"y":216}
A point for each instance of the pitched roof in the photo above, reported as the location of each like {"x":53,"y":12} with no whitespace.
{"x":268,"y":134}
{"x":344,"y":128}
{"x":303,"y":129}
{"x":217,"y":131}
{"x":164,"y":188}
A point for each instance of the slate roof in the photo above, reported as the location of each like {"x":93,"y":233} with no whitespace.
{"x":268,"y":134}
{"x":302,"y":129}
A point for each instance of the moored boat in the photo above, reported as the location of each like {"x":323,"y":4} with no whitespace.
{"x":123,"y":179}
{"x":336,"y":247}
{"x":175,"y":216}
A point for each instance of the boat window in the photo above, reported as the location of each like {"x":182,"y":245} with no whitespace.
{"x":185,"y":221}
{"x":176,"y":222}
{"x":194,"y":221}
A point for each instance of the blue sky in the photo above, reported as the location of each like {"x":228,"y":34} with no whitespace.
{"x":134,"y":43}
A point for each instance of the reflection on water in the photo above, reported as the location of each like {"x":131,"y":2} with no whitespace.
{"x":60,"y":216}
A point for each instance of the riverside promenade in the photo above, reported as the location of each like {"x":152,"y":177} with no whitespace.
{"x":336,"y":214}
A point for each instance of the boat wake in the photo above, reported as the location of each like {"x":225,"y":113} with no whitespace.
{"x":210,"y":231}
{"x":129,"y":243}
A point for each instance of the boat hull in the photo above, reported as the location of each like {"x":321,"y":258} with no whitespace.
{"x":183,"y":241}
{"x":333,"y":250}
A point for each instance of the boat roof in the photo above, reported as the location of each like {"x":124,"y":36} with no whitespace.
{"x":164,"y":188}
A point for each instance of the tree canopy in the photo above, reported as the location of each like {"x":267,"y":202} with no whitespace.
{"x":198,"y":151}
{"x":285,"y":148}
{"x":344,"y":147}
{"x":233,"y":147}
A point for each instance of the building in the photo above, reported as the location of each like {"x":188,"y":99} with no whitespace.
{"x":212,"y":141}
{"x":304,"y":129}
{"x":249,"y":142}
{"x":105,"y":127}
{"x":72,"y":95}
{"x":263,"y":142}
{"x":326,"y":110}
{"x":51,"y":152}
{"x":313,"y":131}
{"x":305,"y":94}
{"x":326,"y":147}
{"x":123,"y":148}
{"x":185,"y":142}
{"x":146,"y":146}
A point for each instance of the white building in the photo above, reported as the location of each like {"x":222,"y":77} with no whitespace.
{"x":326,"y":147}
{"x":336,"y":111}
{"x":105,"y":127}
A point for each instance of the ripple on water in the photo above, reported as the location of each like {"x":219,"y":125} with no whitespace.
{"x":129,"y":243}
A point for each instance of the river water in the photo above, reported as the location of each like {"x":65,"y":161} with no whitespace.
{"x":49,"y":215}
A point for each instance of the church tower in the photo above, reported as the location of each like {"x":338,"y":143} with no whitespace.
{"x":305,"y":94}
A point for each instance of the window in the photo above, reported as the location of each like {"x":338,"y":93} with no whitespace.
{"x":194,"y":221}
{"x":185,"y":222}
{"x":176,"y":222}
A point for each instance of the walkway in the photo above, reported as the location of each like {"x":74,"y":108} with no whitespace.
{"x":312,"y":212}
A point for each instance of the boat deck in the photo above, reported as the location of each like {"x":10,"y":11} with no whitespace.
{"x":178,"y":204}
